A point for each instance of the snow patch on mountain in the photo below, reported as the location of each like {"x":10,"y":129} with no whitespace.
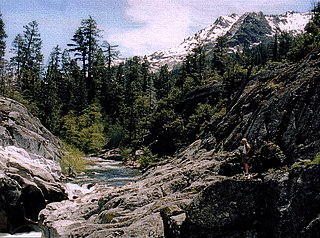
{"x":207,"y":35}
{"x":288,"y":22}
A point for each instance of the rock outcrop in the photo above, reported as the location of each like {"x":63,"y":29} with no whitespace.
{"x":283,"y":204}
{"x":29,"y":167}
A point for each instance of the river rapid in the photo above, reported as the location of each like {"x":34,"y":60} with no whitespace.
{"x":100,"y":173}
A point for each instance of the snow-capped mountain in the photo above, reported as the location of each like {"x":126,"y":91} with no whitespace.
{"x":255,"y":25}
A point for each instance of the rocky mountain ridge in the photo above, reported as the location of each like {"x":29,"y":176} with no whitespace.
{"x":229,"y":26}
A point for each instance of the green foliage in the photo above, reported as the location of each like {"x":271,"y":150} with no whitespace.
{"x":93,"y":104}
{"x":85,"y":131}
{"x":3,"y":35}
{"x":309,"y":40}
{"x":316,"y":159}
{"x":199,"y":119}
{"x":116,"y":135}
{"x":126,"y":153}
{"x":73,"y":161}
{"x":147,"y":158}
{"x":28,"y":103}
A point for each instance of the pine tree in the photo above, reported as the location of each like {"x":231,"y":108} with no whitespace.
{"x":75,"y":85}
{"x":85,"y":47}
{"x":111,"y":53}
{"x":162,"y":82}
{"x":2,"y":53}
{"x":51,"y":93}
{"x":28,"y":60}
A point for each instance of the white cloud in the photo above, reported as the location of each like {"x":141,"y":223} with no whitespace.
{"x":162,"y":24}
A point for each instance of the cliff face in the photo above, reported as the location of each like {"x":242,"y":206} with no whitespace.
{"x":201,"y":192}
{"x":278,"y":111}
{"x":29,"y":167}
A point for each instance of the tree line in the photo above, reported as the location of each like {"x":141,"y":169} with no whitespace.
{"x":90,"y":101}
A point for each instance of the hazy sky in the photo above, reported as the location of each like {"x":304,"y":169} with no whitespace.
{"x":139,"y":27}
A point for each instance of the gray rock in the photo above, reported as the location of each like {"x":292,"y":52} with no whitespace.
{"x":136,"y":209}
{"x":29,"y":164}
{"x":284,"y":204}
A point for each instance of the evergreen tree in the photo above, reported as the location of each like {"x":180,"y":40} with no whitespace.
{"x":73,"y":89}
{"x":17,"y":50}
{"x":162,"y":82}
{"x":218,"y":58}
{"x":28,"y":60}
{"x":313,"y":27}
{"x":2,"y":53}
{"x":51,"y":101}
{"x":111,"y":53}
{"x":285,"y":43}
{"x":85,"y":47}
{"x":275,"y":49}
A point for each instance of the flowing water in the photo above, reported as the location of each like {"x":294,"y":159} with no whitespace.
{"x":100,"y":172}
{"x":107,"y":172}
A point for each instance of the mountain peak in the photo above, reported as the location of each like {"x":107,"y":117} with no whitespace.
{"x":256,"y":26}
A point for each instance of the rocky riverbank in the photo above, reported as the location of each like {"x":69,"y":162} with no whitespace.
{"x":29,"y":167}
{"x":187,"y":198}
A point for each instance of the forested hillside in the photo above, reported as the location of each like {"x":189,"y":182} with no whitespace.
{"x":85,"y":97}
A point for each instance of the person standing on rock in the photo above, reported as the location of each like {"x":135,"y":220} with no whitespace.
{"x":245,"y":155}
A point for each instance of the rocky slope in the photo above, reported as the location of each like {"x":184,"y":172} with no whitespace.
{"x":29,"y":167}
{"x":250,"y":28}
{"x":201,"y":192}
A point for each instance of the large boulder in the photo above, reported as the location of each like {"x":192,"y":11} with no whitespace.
{"x":284,"y":204}
{"x":29,"y":164}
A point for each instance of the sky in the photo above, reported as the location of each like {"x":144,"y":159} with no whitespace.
{"x":139,"y":27}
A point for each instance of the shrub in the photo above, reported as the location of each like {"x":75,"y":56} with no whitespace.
{"x":316,"y":159}
{"x":126,"y":153}
{"x":73,"y":161}
{"x":86,"y":131}
{"x":147,"y":158}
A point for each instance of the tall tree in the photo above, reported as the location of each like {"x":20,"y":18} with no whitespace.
{"x":75,"y":96}
{"x":51,"y":93}
{"x":17,"y":50}
{"x":2,"y":53}
{"x":110,"y":52}
{"x":85,"y":47}
{"x":28,"y":59}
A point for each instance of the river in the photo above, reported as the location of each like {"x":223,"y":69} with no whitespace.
{"x":100,"y":172}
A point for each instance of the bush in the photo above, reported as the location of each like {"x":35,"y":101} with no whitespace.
{"x":147,"y":158}
{"x":126,"y":153}
{"x":73,"y":161}
{"x":86,"y":131}
{"x":316,"y":159}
